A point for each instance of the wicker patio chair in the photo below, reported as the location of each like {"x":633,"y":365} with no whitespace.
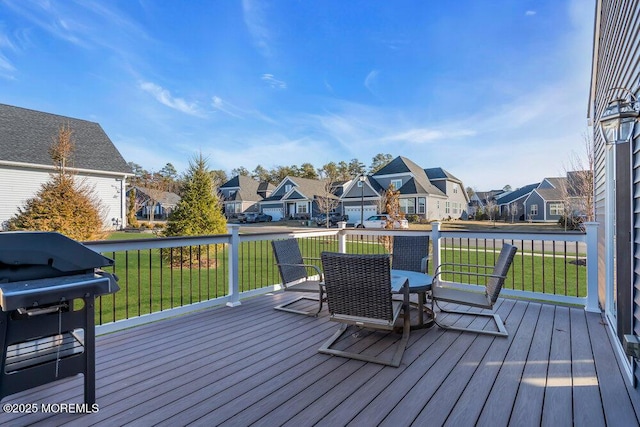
{"x":411,"y":253}
{"x":443,"y":291}
{"x":359,"y":293}
{"x":294,"y":273}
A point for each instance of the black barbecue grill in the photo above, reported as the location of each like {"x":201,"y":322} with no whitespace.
{"x":48,"y":285}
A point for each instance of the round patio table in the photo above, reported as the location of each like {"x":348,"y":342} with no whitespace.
{"x":419,"y":283}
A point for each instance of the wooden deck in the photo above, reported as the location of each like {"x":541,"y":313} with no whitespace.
{"x":252,"y":365}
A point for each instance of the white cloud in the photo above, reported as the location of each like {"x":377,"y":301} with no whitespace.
{"x":370,"y":80}
{"x":530,"y":12}
{"x":164,"y":97}
{"x":273,"y":82}
{"x":255,"y":20}
{"x":422,"y":136}
{"x":220,"y":105}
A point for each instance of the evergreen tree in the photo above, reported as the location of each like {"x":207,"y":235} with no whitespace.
{"x":197,"y":213}
{"x":63,"y":204}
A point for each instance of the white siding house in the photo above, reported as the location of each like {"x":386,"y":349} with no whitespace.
{"x":25,"y":163}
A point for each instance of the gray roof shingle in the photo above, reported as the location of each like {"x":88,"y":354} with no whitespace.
{"x":516,"y":194}
{"x":401,"y":165}
{"x":26,"y":136}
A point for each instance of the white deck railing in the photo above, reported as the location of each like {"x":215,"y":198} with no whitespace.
{"x":249,"y":268}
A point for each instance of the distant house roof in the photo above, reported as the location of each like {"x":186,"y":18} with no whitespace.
{"x":439,"y":173}
{"x":26,"y":136}
{"x":247,"y":188}
{"x":165,"y":198}
{"x":401,"y":165}
{"x":309,"y":187}
{"x":507,"y":198}
{"x":488,"y":195}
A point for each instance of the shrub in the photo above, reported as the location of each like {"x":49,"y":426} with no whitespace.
{"x":413,"y":218}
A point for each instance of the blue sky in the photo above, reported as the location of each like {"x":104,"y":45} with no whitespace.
{"x":494,"y":91}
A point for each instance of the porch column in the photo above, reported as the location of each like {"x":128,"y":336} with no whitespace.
{"x":234,"y":288}
{"x":592,"y":267}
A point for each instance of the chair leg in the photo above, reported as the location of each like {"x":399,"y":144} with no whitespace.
{"x":283,"y":307}
{"x":395,"y":361}
{"x":501,"y":332}
{"x":402,"y":345}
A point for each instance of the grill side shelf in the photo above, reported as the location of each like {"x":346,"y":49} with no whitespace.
{"x":36,"y":293}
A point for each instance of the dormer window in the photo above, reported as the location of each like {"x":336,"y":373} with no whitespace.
{"x":287,"y":188}
{"x":397,"y":183}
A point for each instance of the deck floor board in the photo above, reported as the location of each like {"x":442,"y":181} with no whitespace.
{"x":253,"y":365}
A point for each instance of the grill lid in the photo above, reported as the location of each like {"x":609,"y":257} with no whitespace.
{"x":29,"y":255}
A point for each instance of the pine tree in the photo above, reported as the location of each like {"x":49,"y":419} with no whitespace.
{"x":64,"y":203}
{"x":197,"y":213}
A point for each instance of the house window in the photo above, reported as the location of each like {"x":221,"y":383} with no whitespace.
{"x":407,"y":206}
{"x":556,"y":208}
{"x":447,"y":207}
{"x":422,"y":203}
{"x":534,"y":209}
{"x":301,"y":207}
{"x":287,"y":188}
{"x":397,"y":183}
{"x":455,"y":188}
{"x":360,"y":183}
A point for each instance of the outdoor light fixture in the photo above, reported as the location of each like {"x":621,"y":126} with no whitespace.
{"x":618,"y":119}
{"x":362,"y":179}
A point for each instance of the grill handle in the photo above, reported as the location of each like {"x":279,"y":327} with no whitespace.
{"x":44,"y":310}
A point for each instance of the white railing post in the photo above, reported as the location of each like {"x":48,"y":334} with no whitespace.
{"x":234,"y":288}
{"x":342,"y":237}
{"x":592,"y":267}
{"x":435,"y":241}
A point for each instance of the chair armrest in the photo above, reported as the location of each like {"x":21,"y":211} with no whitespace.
{"x":315,"y":267}
{"x":451,"y":264}
{"x":467,"y":273}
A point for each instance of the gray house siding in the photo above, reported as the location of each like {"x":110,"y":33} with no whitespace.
{"x":616,"y":64}
{"x":534,"y":207}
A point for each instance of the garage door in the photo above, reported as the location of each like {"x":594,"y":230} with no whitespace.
{"x":276,"y":213}
{"x":354,"y":213}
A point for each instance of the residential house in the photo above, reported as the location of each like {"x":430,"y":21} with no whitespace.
{"x":25,"y":164}
{"x":162,"y":203}
{"x":511,"y":204}
{"x":453,"y":188}
{"x":615,"y":71}
{"x":427,"y":193}
{"x":554,"y":198}
{"x":361,"y":198}
{"x":296,"y":198}
{"x":478,"y":201}
{"x":243,"y":194}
